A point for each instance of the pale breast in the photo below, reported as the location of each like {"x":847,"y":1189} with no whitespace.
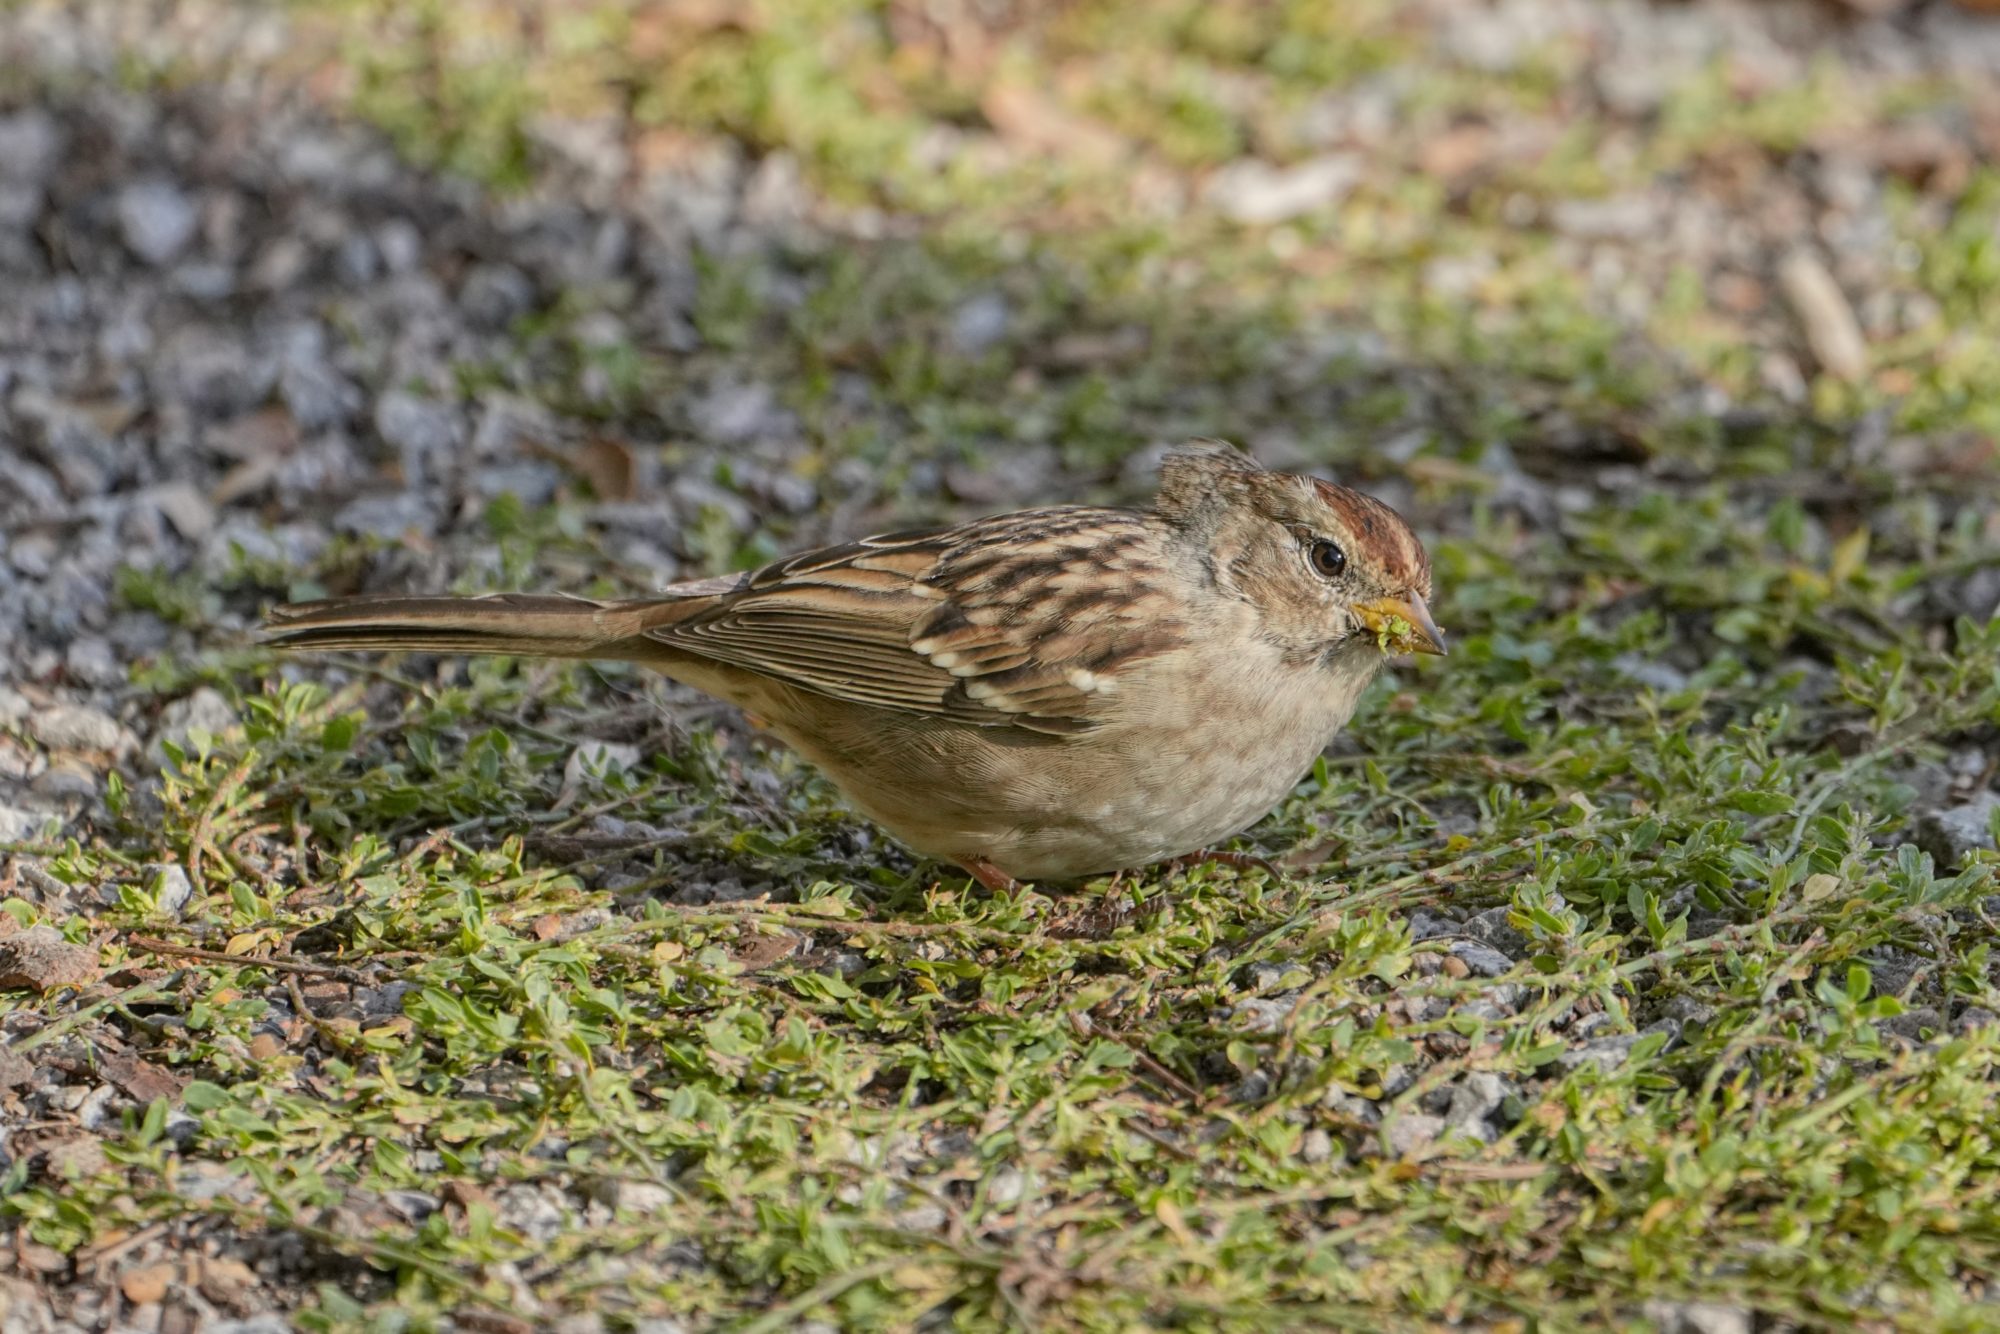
{"x":1195,"y":758}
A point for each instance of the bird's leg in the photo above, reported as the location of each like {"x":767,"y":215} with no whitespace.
{"x":989,"y":875}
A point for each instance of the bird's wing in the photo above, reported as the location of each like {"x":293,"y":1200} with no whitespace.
{"x":1023,"y":620}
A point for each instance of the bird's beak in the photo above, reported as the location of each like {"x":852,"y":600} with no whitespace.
{"x":1403,"y":624}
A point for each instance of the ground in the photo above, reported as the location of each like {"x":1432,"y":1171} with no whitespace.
{"x":1632,"y":967}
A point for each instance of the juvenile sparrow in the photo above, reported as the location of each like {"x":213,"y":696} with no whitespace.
{"x":1042,"y":695}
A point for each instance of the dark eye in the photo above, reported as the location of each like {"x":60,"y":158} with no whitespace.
{"x":1327,"y":560}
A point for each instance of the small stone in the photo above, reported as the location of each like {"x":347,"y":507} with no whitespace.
{"x":1352,"y":1106}
{"x":89,"y":661}
{"x":384,"y":1001}
{"x":1429,"y":926}
{"x":225,"y":1279}
{"x":144,"y":1286}
{"x":185,"y":507}
{"x":157,"y":220}
{"x":205,"y":712}
{"x":1474,"y":1103}
{"x":1831,"y":330}
{"x":1482,"y":960}
{"x":1007,"y":1187}
{"x":75,"y":1159}
{"x":733,"y":413}
{"x":495,"y":295}
{"x":30,"y":139}
{"x":1619,"y":218}
{"x":1259,"y":1015}
{"x":1316,"y":1146}
{"x":979,"y":323}
{"x":1603,"y":1053}
{"x":41,"y":960}
{"x":1410,"y":1131}
{"x":1953,"y":834}
{"x":256,"y":1324}
{"x":1973,"y":1018}
{"x":169,"y":883}
{"x":1696,"y":1318}
{"x":1688,"y":1012}
{"x":74,"y":727}
{"x":412,"y":1206}
{"x":1257,"y":193}
{"x":389,"y":517}
{"x":422,"y":431}
{"x":641,"y":1198}
{"x":1255,"y":977}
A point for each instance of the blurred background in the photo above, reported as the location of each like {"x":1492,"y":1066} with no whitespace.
{"x":316,"y":287}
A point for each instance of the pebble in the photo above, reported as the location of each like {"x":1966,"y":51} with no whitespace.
{"x":89,"y":661}
{"x":74,"y":727}
{"x":1257,"y":193}
{"x":979,"y":323}
{"x":391,"y":518}
{"x":185,"y":507}
{"x":732,"y":413}
{"x":30,"y":140}
{"x":1602,"y":1053}
{"x":1007,"y":1186}
{"x":1483,"y":960}
{"x":1260,"y":1015}
{"x":267,"y":1323}
{"x":1831,"y":330}
{"x":423,"y":431}
{"x":21,"y":825}
{"x":157,"y":220}
{"x":1407,"y":1132}
{"x":1475,"y":1101}
{"x":1951,"y":834}
{"x":205,"y":711}
{"x":169,"y":883}
{"x":1696,"y":1318}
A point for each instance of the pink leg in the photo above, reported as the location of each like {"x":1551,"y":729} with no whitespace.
{"x":989,"y":875}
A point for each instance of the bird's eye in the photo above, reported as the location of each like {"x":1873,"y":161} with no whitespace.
{"x":1327,"y":560}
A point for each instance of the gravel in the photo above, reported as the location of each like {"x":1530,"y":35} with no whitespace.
{"x":1950,"y":834}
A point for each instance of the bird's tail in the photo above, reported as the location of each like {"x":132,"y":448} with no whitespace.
{"x":530,"y":624}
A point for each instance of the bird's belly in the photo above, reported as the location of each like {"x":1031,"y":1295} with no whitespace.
{"x":1193,"y":772}
{"x":1103,"y":832}
{"x":1057,"y":811}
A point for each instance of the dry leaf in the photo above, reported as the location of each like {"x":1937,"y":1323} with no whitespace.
{"x":761,"y":951}
{"x":1032,"y":119}
{"x":609,"y":468}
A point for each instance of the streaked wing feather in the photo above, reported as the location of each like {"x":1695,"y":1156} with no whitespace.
{"x":1001,"y":622}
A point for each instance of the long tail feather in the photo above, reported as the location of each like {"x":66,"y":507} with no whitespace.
{"x":519,"y":623}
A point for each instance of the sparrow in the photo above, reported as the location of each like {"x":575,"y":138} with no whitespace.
{"x":1037,"y":696}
